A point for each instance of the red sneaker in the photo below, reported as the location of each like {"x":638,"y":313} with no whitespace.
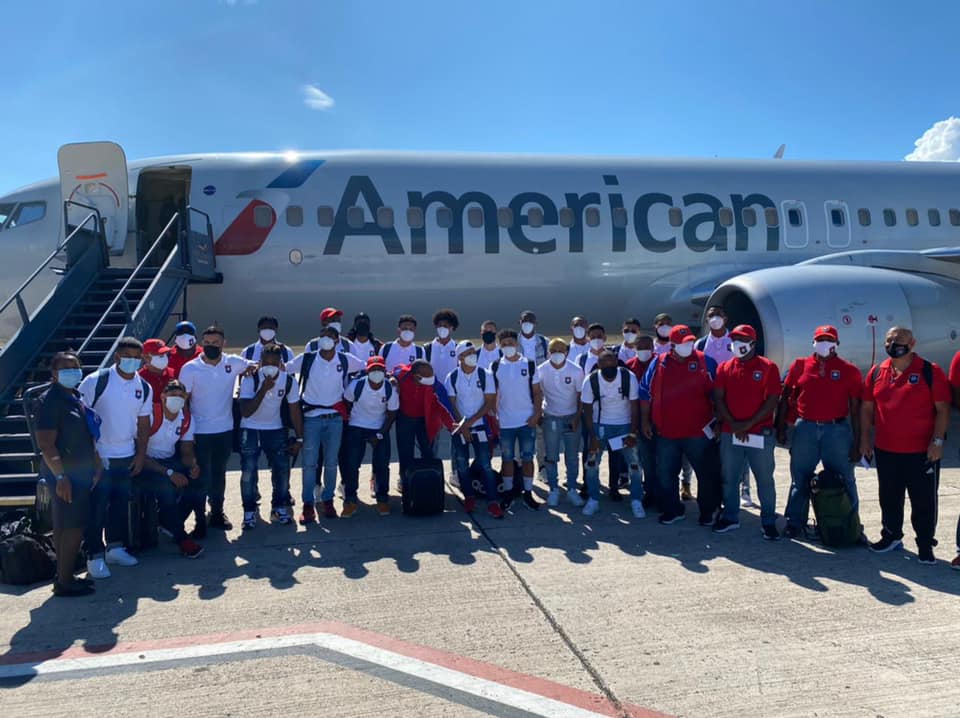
{"x":308,"y":515}
{"x":469,"y":504}
{"x":328,"y":511}
{"x":495,"y":510}
{"x":190,"y":549}
{"x":955,"y":564}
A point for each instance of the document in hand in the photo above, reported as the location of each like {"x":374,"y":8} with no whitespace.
{"x":754,"y":441}
{"x":616,"y":443}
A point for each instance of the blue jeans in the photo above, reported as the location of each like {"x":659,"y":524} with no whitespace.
{"x":761,"y":462}
{"x":109,"y":507}
{"x":412,"y":432}
{"x":355,"y":441}
{"x":556,"y":431}
{"x":811,"y":444}
{"x":525,"y":436}
{"x":703,"y":456}
{"x":461,"y":461}
{"x":273,"y":443}
{"x":647,"y":454}
{"x":321,"y":435}
{"x":605,"y":432}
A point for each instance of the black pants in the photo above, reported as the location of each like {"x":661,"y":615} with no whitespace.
{"x":412,"y":431}
{"x":213,"y":452}
{"x":913,"y":474}
{"x":174,"y":505}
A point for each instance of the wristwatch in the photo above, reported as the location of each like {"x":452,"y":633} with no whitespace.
{"x":60,"y":476}
{"x":937,"y":441}
{"x":299,"y":439}
{"x":170,"y":473}
{"x":379,"y":436}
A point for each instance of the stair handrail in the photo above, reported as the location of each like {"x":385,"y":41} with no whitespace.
{"x":16,"y":296}
{"x":126,"y":285}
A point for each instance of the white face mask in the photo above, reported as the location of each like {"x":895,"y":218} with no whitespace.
{"x":175,"y":404}
{"x":470,"y":360}
{"x":579,"y":332}
{"x":824,"y":349}
{"x":268,"y":335}
{"x":509,"y":352}
{"x":527,"y":327}
{"x":270,"y":372}
{"x":629,"y":337}
{"x":663,"y":331}
{"x":683,"y":350}
{"x":186,"y":341}
{"x":427,"y":380}
{"x":558,"y":358}
{"x":327,"y":343}
{"x":159,"y":361}
{"x":644,"y":355}
{"x":376,"y":376}
{"x":716,"y":322}
{"x":443,"y":332}
{"x":596,"y":344}
{"x":406,"y":335}
{"x":741,"y":349}
{"x":335,"y":325}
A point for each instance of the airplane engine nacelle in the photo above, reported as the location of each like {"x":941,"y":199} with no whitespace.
{"x":785,"y":305}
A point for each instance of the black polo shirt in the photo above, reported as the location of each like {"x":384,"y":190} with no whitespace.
{"x":59,"y":409}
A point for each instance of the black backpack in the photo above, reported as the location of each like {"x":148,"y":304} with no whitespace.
{"x":531,"y":368}
{"x":25,"y":557}
{"x":594,"y":380}
{"x":103,"y":378}
{"x":455,"y":374}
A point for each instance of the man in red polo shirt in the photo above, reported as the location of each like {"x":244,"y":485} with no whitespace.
{"x":747,"y":393}
{"x":955,"y":387}
{"x":825,"y":391}
{"x":185,"y":347}
{"x":156,"y":367}
{"x":906,"y":399}
{"x":676,"y":405}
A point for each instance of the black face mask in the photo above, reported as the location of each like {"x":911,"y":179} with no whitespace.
{"x":609,"y":372}
{"x":212,"y":352}
{"x":362,"y":329}
{"x":489,"y":337}
{"x":898,"y":350}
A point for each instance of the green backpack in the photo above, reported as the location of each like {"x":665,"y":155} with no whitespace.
{"x":837,"y":521}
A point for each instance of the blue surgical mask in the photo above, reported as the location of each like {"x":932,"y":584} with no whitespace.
{"x":129,"y":365}
{"x":69,"y":378}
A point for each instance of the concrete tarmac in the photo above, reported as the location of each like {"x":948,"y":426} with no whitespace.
{"x":543,"y":613}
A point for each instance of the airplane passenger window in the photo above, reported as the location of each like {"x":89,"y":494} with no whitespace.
{"x":750,"y":216}
{"x":955,"y":217}
{"x":475,"y":217}
{"x":726,"y":217}
{"x":933,"y":216}
{"x":864,"y":216}
{"x":837,"y":218}
{"x":676,"y":217}
{"x":5,"y":211}
{"x":263,"y":216}
{"x":890,"y":218}
{"x":355,"y":217}
{"x":444,"y":217}
{"x":325,"y":216}
{"x":566,"y":217}
{"x":294,"y":216}
{"x":794,"y":217}
{"x":384,"y":217}
{"x":772,"y":216}
{"x":619,"y":217}
{"x":592,"y":215}
{"x":415,"y":217}
{"x":535,"y":217}
{"x":505,"y":217}
{"x":913,"y":218}
{"x":26,"y":213}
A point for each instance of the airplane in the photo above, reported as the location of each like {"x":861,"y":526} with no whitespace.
{"x":783,"y":245}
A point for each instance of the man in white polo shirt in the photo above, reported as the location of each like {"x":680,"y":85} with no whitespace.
{"x":519,"y":409}
{"x":267,"y":328}
{"x":562,"y":381}
{"x":210,"y":380}
{"x":323,"y":376}
{"x":489,"y":352}
{"x":123,"y":401}
{"x":631,"y":335}
{"x":269,"y":408}
{"x":374,"y":401}
{"x":580,"y":343}
{"x":402,"y":351}
{"x":442,"y":351}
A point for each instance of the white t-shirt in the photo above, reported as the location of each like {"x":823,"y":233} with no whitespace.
{"x":590,"y":363}
{"x":468,"y":396}
{"x":576,"y":350}
{"x":163,"y":444}
{"x":534,"y":347}
{"x":254,"y":351}
{"x":560,"y":387}
{"x":268,"y":416}
{"x":614,"y":409}
{"x":400,"y":355}
{"x":363,"y":350}
{"x":370,"y":411}
{"x":718,"y":348}
{"x":514,"y":403}
{"x":123,"y":401}
{"x":659,"y":348}
{"x":486,"y":357}
{"x":211,"y":389}
{"x":326,"y":381}
{"x":625,"y":353}
{"x":443,"y":358}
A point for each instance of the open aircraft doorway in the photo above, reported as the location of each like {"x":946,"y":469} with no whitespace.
{"x":161,"y":192}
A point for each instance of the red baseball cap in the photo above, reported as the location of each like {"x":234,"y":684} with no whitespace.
{"x":156,"y":347}
{"x":744,"y":330}
{"x":681,"y":334}
{"x":826,"y":332}
{"x":376,"y":362}
{"x":330,"y":313}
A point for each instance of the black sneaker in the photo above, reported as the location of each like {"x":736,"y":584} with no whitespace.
{"x":530,"y":502}
{"x":668,"y":519}
{"x":615,"y":495}
{"x":705,"y":520}
{"x":885,"y":544}
{"x":770,"y":533}
{"x":722,"y":526}
{"x":219,"y":521}
{"x":925,"y":556}
{"x":792,"y":532}
{"x":648,"y":501}
{"x":72,"y":590}
{"x":623,"y":481}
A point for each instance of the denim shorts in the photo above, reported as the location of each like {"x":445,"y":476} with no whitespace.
{"x":526,"y":435}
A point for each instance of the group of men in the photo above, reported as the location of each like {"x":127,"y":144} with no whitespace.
{"x":165,"y":420}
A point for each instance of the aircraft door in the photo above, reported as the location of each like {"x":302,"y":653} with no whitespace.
{"x":95,"y":174}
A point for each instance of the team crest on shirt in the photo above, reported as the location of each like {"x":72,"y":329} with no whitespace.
{"x":835,"y":375}
{"x":757,"y":375}
{"x":914,"y":379}
{"x":523,"y":372}
{"x":567,"y":380}
{"x":412,"y":358}
{"x":228,"y":369}
{"x":139,"y":393}
{"x":479,"y":385}
{"x":693,"y":366}
{"x":281,"y":392}
{"x":179,"y":430}
{"x":453,"y":353}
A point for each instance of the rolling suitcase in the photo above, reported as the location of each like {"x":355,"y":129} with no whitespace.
{"x":423,"y":489}
{"x":142,"y":520}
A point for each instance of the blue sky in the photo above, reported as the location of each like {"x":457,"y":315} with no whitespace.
{"x":833,"y":80}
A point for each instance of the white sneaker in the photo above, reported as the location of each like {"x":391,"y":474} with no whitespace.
{"x":119,"y":557}
{"x":97,"y":568}
{"x":573,"y":496}
{"x":591,"y":507}
{"x":637,"y":508}
{"x":746,"y":501}
{"x":553,"y":498}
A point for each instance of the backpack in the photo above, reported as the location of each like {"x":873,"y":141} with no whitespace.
{"x":926,"y":370}
{"x":158,"y":418}
{"x":103,"y":377}
{"x":25,"y":557}
{"x":531,"y":368}
{"x":455,"y":374}
{"x":385,"y":351}
{"x":594,"y":380}
{"x":309,"y":358}
{"x":314,"y":346}
{"x":284,"y":404}
{"x":837,"y":521}
{"x":286,"y":354}
{"x":358,"y":389}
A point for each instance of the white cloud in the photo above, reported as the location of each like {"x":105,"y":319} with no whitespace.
{"x":316,"y":99}
{"x":941,"y":143}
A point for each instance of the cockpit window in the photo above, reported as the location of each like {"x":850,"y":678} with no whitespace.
{"x":27,"y":212}
{"x":5,"y":211}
